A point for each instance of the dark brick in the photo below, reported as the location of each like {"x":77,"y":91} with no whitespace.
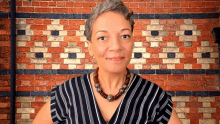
{"x":55,"y":33}
{"x":72,"y":55}
{"x":137,"y":55}
{"x":188,"y":32}
{"x":206,"y":55}
{"x":21,"y":32}
{"x":144,"y":71}
{"x":171,"y":55}
{"x":154,"y":33}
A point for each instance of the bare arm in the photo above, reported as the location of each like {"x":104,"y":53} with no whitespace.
{"x":174,"y":119}
{"x":44,"y":116}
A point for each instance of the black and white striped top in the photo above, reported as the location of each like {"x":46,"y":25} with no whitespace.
{"x":73,"y":102}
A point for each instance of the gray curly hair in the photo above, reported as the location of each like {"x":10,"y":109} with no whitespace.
{"x":108,"y":5}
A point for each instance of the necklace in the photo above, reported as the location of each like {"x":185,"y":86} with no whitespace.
{"x":110,"y":97}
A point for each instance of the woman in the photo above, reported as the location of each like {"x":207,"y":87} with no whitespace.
{"x":111,"y":94}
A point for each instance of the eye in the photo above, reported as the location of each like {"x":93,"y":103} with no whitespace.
{"x":125,"y":36}
{"x":102,"y":38}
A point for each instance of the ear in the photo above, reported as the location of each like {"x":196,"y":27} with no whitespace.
{"x":90,"y":48}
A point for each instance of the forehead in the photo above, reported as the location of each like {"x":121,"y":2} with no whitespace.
{"x":110,"y":21}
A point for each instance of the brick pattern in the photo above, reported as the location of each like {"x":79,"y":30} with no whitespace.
{"x":190,"y":110}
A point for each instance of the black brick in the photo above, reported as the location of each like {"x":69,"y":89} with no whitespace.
{"x":64,"y":71}
{"x":184,"y":93}
{"x":55,"y":33}
{"x":39,"y":55}
{"x":137,"y":55}
{"x":206,"y":55}
{"x":30,"y":71}
{"x":154,"y":33}
{"x":196,"y":71}
{"x":21,"y":32}
{"x":23,"y":93}
{"x":176,"y":71}
{"x":188,"y":32}
{"x":72,"y":55}
{"x":163,"y":71}
{"x":171,"y":55}
{"x":144,"y":71}
{"x":49,"y":72}
{"x":40,"y":94}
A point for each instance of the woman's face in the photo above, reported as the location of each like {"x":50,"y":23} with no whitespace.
{"x":112,"y":43}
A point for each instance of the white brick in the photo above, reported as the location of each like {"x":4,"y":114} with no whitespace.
{"x":71,"y":66}
{"x":138,"y":44}
{"x":197,"y":33}
{"x":55,"y":21}
{"x":29,"y":32}
{"x":185,"y":121}
{"x":80,"y":55}
{"x":170,"y":49}
{"x":86,"y":44}
{"x":197,"y":55}
{"x":138,"y":61}
{"x":206,"y":104}
{"x":55,"y":44}
{"x":143,"y":50}
{"x":47,"y":55}
{"x":46,"y":33}
{"x":206,"y":110}
{"x":63,"y":55}
{"x":38,"y":44}
{"x":206,"y":99}
{"x":180,"y":55}
{"x":204,"y":43}
{"x":171,"y":44}
{"x":206,"y":60}
{"x":180,"y":98}
{"x":138,"y":66}
{"x":182,"y":110}
{"x":23,"y":38}
{"x":21,"y":44}
{"x":30,"y":55}
{"x":170,"y":66}
{"x":154,"y":21}
{"x":204,"y":49}
{"x":25,"y":116}
{"x":214,"y":55}
{"x":179,"y":33}
{"x":207,"y":121}
{"x":205,"y":66}
{"x":63,"y":33}
{"x":72,"y":61}
{"x":55,"y":38}
{"x":146,"y":33}
{"x":154,"y":44}
{"x":187,"y":43}
{"x":22,"y":26}
{"x":83,"y":38}
{"x":38,"y":61}
{"x":79,"y":33}
{"x":207,"y":115}
{"x":39,"y":66}
{"x":187,"y":66}
{"x":82,"y":27}
{"x":162,"y":33}
{"x":188,"y":38}
{"x":72,"y":44}
{"x":180,"y":104}
{"x":25,"y":110}
{"x":25,"y":99}
{"x":88,"y":66}
{"x":72,"y":50}
{"x":21,"y":21}
{"x":187,"y":21}
{"x":21,"y":66}
{"x":187,"y":27}
{"x":145,"y":55}
{"x":154,"y":27}
{"x":55,"y":66}
{"x":162,"y":55}
{"x":165,"y":61}
{"x":155,"y":66}
{"x":156,"y":38}
{"x":38,"y":49}
{"x":181,"y":115}
{"x":54,"y":27}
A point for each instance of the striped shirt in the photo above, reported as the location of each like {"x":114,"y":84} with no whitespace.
{"x":73,"y":102}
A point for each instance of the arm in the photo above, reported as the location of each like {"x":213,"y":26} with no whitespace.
{"x":44,"y":116}
{"x":174,"y":119}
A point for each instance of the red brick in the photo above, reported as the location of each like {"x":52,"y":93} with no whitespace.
{"x":52,"y":3}
{"x":193,"y":110}
{"x":34,"y":82}
{"x":60,"y":10}
{"x":60,"y":4}
{"x":63,"y":44}
{"x":25,"y":77}
{"x":25,"y":88}
{"x":68,"y":27}
{"x":175,"y":77}
{"x":25,"y":9}
{"x":196,"y":66}
{"x":39,"y":38}
{"x":35,"y":3}
{"x":194,"y":88}
{"x":47,"y":21}
{"x":193,"y":99}
{"x":163,"y":66}
{"x":154,"y":60}
{"x":55,"y":60}
{"x":197,"y":116}
{"x":40,"y":27}
{"x":69,"y":4}
{"x":194,"y":121}
{"x":32,"y":116}
{"x":170,"y":38}
{"x":25,"y":82}
{"x":30,"y":66}
{"x":22,"y":60}
{"x":153,"y":50}
{"x":63,"y":66}
{"x":44,"y":4}
{"x":30,"y":21}
{"x":37,"y":104}
{"x":158,"y":77}
{"x":71,"y":38}
{"x":42,"y":88}
{"x":23,"y":49}
{"x":193,"y":105}
{"x":188,"y":60}
{"x":56,"y":49}
{"x":47,"y":66}
{"x":177,"y":88}
{"x":30,"y":44}
{"x":43,"y":9}
{"x":38,"y":32}
{"x":211,"y":88}
{"x":204,"y":27}
{"x":136,"y":38}
{"x":187,"y":49}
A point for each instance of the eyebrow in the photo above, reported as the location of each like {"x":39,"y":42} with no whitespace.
{"x":107,"y":31}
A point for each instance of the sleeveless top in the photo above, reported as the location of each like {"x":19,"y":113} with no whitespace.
{"x":73,"y":102}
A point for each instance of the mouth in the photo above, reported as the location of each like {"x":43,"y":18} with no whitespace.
{"x":115,"y":59}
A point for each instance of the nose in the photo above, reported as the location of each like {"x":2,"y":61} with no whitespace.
{"x":115,"y":44}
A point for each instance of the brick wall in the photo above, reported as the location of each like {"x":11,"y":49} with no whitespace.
{"x":173,"y":47}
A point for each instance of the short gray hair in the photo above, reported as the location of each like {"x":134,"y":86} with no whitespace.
{"x":108,"y":5}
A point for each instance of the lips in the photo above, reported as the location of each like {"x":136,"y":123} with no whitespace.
{"x":116,"y":58}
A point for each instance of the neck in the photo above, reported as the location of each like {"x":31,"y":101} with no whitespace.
{"x":111,"y":82}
